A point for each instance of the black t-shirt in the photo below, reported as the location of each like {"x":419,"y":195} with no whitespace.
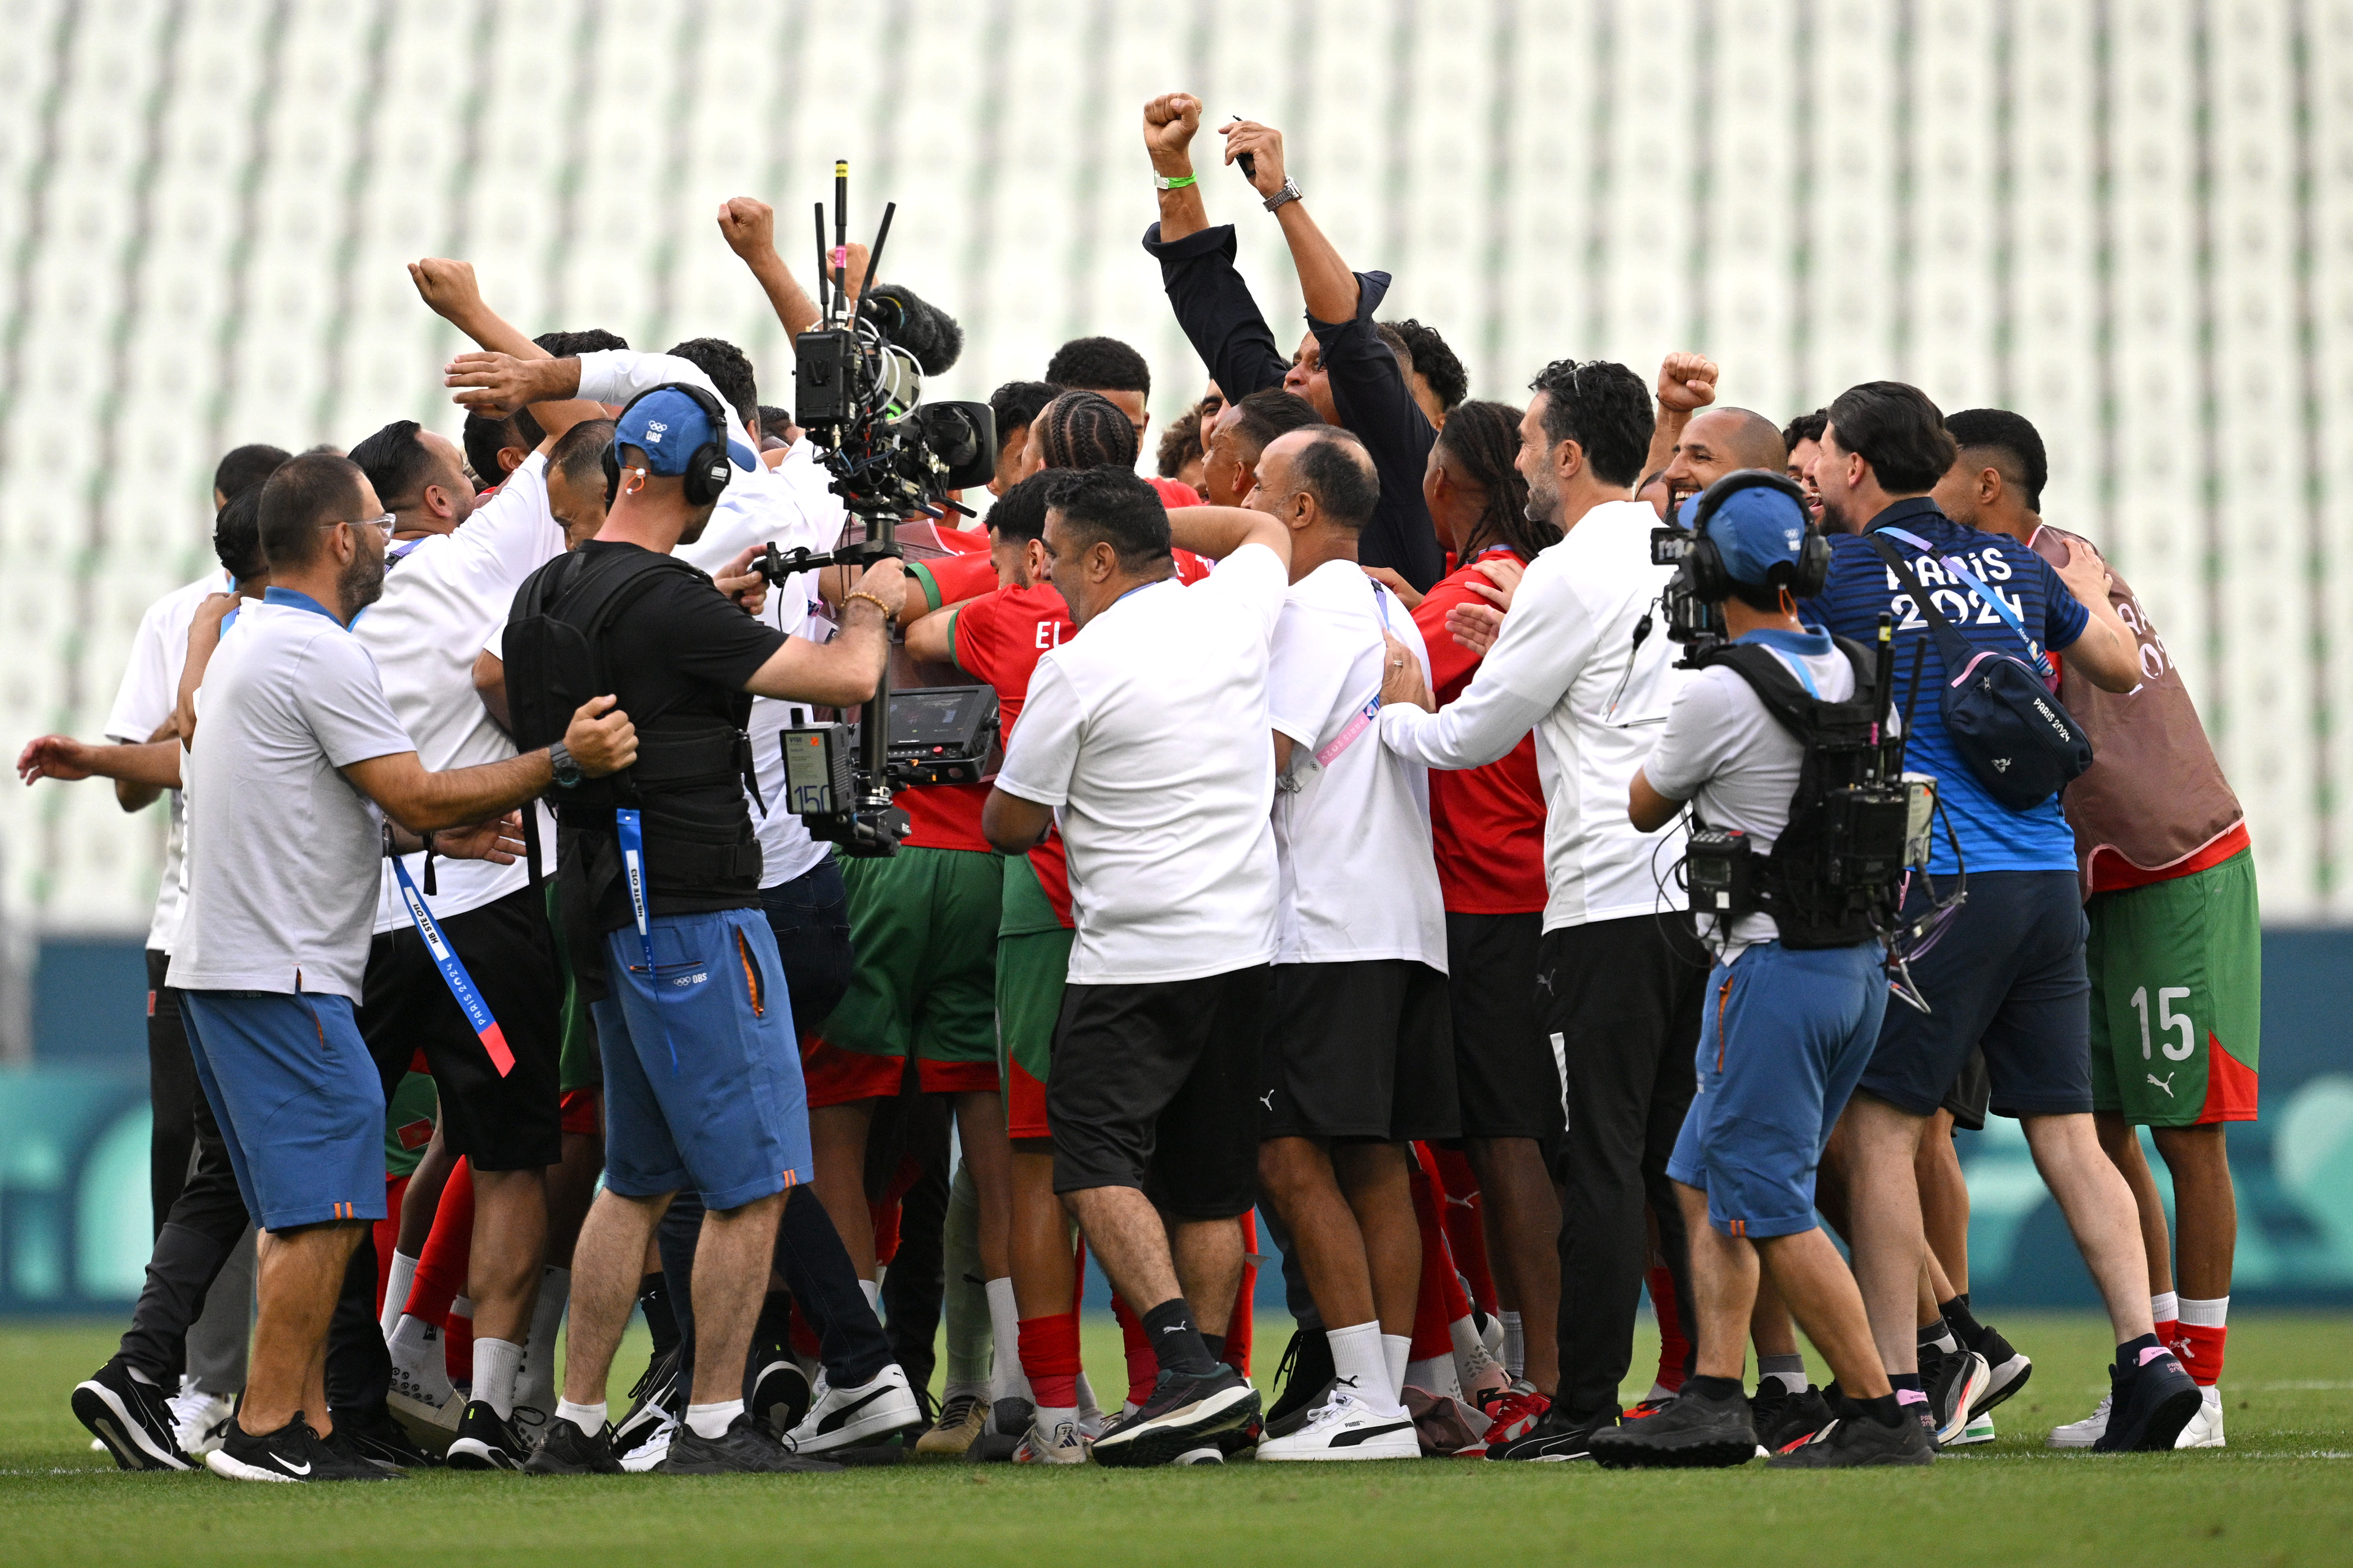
{"x":679,"y":653}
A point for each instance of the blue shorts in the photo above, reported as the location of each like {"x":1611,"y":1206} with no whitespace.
{"x":299,"y":1102}
{"x":1783,"y":1037}
{"x":702,"y":1068}
{"x":2008,"y":974}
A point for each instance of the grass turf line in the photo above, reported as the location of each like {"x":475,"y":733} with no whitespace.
{"x":2282,"y":1493}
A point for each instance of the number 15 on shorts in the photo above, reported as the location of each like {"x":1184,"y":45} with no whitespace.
{"x":2168,"y":1022}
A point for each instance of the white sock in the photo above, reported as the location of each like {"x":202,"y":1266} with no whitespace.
{"x":462,"y":1307}
{"x":978,"y":1390}
{"x":1515,"y":1346}
{"x":1435,"y":1375}
{"x":396,"y":1290}
{"x":1087,"y":1405}
{"x":589,"y":1418}
{"x":1397,"y":1349}
{"x":496,"y":1362}
{"x":1047,"y":1419}
{"x":711,"y":1421}
{"x":413,"y":1343}
{"x":536,"y":1385}
{"x":873,"y":1297}
{"x":1359,"y":1365}
{"x":2208,"y":1314}
{"x":2166,"y":1308}
{"x":1005,"y":1379}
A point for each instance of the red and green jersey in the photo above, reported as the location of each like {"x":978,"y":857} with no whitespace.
{"x":1486,"y":825}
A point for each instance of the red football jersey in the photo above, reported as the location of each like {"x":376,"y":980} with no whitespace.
{"x":1486,"y":825}
{"x":999,"y":638}
{"x":1175,"y":492}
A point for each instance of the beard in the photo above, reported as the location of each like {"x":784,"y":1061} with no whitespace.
{"x":360,"y":582}
{"x":1544,"y":501}
{"x":1835,"y":518}
{"x":693,"y":530}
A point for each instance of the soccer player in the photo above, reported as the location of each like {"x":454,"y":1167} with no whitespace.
{"x":2007,"y":972}
{"x":2175,"y":955}
{"x":1240,"y":432}
{"x":1787,"y":1035}
{"x":1801,"y":439}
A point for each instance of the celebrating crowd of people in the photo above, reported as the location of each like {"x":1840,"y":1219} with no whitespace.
{"x":1325,"y":901}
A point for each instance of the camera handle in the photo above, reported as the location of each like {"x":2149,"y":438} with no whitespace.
{"x":869,"y":830}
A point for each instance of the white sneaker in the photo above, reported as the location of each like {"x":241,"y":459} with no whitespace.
{"x":845,"y":1417}
{"x":421,"y":1390}
{"x":650,"y":1453}
{"x":1979,"y":1430}
{"x":194,"y":1414}
{"x":1209,"y":1455}
{"x":1344,"y":1428}
{"x":1067,"y":1444}
{"x":2205,"y":1428}
{"x":2084,"y":1433}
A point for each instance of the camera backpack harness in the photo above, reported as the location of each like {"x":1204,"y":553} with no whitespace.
{"x":2007,"y":725}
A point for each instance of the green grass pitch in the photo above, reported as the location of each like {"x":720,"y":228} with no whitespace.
{"x":2280,"y":1494}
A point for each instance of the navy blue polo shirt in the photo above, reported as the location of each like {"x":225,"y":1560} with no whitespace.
{"x":1862,"y":587}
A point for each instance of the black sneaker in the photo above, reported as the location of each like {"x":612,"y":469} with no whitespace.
{"x":1305,"y":1373}
{"x":742,"y":1450}
{"x":1853,"y":1440}
{"x":655,"y":1399}
{"x":568,"y":1451}
{"x":1559,"y":1437}
{"x":379,"y":1438}
{"x":1800,"y":1416}
{"x":780,"y":1392}
{"x":1008,"y":1423}
{"x":1239,"y":1439}
{"x":294,"y":1453}
{"x":1689,"y":1432}
{"x":2006,"y":1367}
{"x":485,"y":1441}
{"x":1955,"y":1381}
{"x":2150,"y":1404}
{"x":130,"y":1418}
{"x":1183,"y":1414}
{"x":1767,"y":1407}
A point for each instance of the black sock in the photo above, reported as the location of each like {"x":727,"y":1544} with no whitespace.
{"x":653,"y":1301}
{"x":774,"y":1325}
{"x":2129,"y":1353}
{"x":1965,"y":1326}
{"x":1175,"y":1341}
{"x":1884,"y":1410}
{"x":1909,"y":1382}
{"x":1708,"y":1388}
{"x":1215,"y":1346}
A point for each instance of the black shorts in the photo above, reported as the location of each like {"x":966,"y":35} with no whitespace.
{"x":1505,"y":1078}
{"x":1970,"y":1094}
{"x":1155,"y":1087}
{"x":2006,"y":975}
{"x":1359,"y":1049}
{"x":511,"y":1123}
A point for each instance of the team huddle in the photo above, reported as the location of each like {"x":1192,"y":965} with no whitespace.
{"x":1421,"y":843}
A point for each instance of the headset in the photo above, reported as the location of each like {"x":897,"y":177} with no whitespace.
{"x":1709,"y":581}
{"x":707,"y":471}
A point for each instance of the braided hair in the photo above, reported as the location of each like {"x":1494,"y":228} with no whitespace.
{"x":1480,"y":441}
{"x":1085,"y":430}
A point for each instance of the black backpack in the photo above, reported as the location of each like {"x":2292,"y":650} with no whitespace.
{"x":2010,"y":731}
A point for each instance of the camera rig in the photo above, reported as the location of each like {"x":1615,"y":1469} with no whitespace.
{"x":858,"y":386}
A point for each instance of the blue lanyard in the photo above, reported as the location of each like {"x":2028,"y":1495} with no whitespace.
{"x":1953,"y":563}
{"x":629,"y":825}
{"x":453,"y":975}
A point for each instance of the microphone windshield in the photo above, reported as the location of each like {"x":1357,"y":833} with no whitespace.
{"x":927,"y":332}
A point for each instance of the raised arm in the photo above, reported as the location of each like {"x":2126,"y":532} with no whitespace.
{"x":1686,"y":385}
{"x":1197,"y":262}
{"x":749,"y":227}
{"x":1325,"y":281}
{"x":600,"y":738}
{"x":449,"y":288}
{"x":1216,"y":532}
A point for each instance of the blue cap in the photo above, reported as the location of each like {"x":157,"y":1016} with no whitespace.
{"x":668,"y":427}
{"x":1755,"y":529}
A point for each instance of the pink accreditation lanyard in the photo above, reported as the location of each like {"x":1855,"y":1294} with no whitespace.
{"x":1362,"y":719}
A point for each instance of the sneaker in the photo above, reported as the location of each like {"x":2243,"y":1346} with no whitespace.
{"x":567,"y":1450}
{"x":1979,"y":1430}
{"x":1183,"y":1414}
{"x":1954,"y":1384}
{"x":421,"y":1392}
{"x":1802,"y":1416}
{"x":961,"y":1419}
{"x":133,"y":1419}
{"x":294,"y":1453}
{"x":652,"y":1449}
{"x":780,"y":1392}
{"x":530,"y":1424}
{"x":1009,"y":1421}
{"x":1479,"y":1373}
{"x":1210,"y":1455}
{"x":1646,"y":1408}
{"x":2154,"y":1401}
{"x":1345,"y":1427}
{"x":845,"y":1417}
{"x":380,"y":1438}
{"x":1444,"y":1426}
{"x":1692,"y":1432}
{"x":2085,"y":1433}
{"x":1513,"y":1414}
{"x":1303,"y":1375}
{"x":195,"y":1413}
{"x":742,"y":1450}
{"x":1767,"y":1407}
{"x":1241,"y":1439}
{"x":656,"y":1400}
{"x":2008,"y":1367}
{"x":1065,"y":1445}
{"x":2205,"y":1428}
{"x":1559,"y":1437}
{"x":1850,"y":1441}
{"x":485,"y":1442}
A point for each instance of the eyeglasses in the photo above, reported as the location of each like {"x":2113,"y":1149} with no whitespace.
{"x":383,"y":525}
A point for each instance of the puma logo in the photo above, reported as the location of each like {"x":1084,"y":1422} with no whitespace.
{"x":2166,"y":1085}
{"x":1348,"y":1381}
{"x":1267,"y":1099}
{"x":1544,"y":981}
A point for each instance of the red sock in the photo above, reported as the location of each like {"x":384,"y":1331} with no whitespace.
{"x":1238,"y":1326}
{"x":1675,"y":1346}
{"x":1143,"y":1366}
{"x":386,"y":1235}
{"x":1431,"y":1311}
{"x":2168,"y":1334}
{"x":2200,"y":1351}
{"x":1466,"y":1224}
{"x":449,"y":1245}
{"x":1049,"y":1359}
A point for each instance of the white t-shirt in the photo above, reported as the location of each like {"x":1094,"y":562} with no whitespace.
{"x":286,"y":856}
{"x":150,"y":690}
{"x":1147,"y":732}
{"x":1359,"y":880}
{"x":1734,"y":763}
{"x":1566,"y":666}
{"x":441,"y":597}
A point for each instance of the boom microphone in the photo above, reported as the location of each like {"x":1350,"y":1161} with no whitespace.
{"x":927,"y":332}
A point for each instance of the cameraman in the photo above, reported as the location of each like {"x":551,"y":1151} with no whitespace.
{"x":1782,"y":1045}
{"x":702,"y":1077}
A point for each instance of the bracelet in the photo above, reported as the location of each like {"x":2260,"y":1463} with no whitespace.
{"x":1162,"y":182}
{"x":1288,"y":194}
{"x":888,"y":614}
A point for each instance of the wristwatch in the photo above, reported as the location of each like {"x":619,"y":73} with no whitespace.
{"x":1290,"y":192}
{"x":559,"y":759}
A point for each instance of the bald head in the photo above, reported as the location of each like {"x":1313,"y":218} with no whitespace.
{"x":1719,"y":441}
{"x":1327,"y":464}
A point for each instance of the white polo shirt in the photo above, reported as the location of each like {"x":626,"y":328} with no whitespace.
{"x":150,"y":690}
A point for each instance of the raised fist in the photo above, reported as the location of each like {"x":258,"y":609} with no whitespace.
{"x":1170,"y":122}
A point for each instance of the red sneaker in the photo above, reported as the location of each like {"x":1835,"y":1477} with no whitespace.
{"x":1512,"y":1413}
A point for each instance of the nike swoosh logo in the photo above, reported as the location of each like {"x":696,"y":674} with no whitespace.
{"x":833,"y":1422}
{"x":291,"y":1467}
